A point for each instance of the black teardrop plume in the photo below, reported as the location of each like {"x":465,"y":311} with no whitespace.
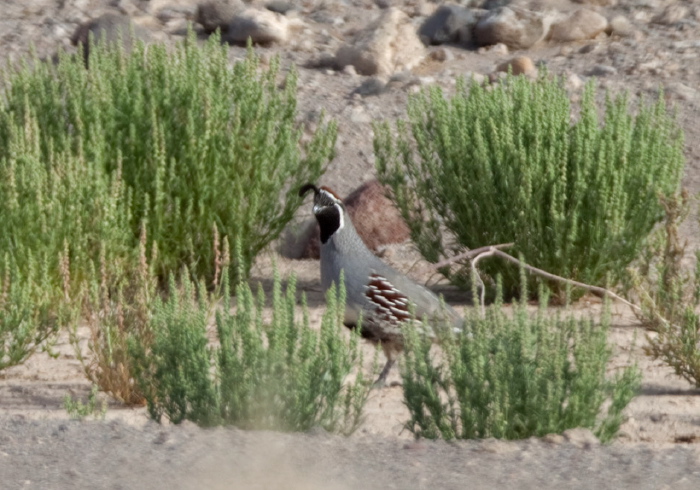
{"x":306,"y":188}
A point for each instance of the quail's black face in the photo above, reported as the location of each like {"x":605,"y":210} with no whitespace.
{"x":328,"y":209}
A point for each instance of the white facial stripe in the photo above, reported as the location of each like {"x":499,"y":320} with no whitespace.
{"x":342,"y":219}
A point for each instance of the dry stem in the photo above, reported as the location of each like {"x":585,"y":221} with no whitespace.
{"x":493,"y":250}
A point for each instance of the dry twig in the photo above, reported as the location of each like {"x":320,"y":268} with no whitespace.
{"x":494,"y":250}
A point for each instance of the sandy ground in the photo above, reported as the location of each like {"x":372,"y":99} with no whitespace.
{"x":40,"y":447}
{"x":656,"y":448}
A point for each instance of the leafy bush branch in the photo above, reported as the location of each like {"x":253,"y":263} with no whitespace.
{"x":279,"y":375}
{"x":515,"y":376}
{"x":506,"y":164}
{"x":173,"y":138}
{"x":31,"y":311}
{"x":173,"y":144}
{"x":117,"y":304}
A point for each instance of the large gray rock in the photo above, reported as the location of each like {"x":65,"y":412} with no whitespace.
{"x":261,"y":26}
{"x":578,"y":26}
{"x":217,"y":14}
{"x":388,"y":45}
{"x":109,"y":28}
{"x":449,"y":24}
{"x":281,"y":6}
{"x":371,"y":86}
{"x":515,"y":27}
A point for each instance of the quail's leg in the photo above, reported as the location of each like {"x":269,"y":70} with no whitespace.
{"x":381,"y":380}
{"x":391,"y":351}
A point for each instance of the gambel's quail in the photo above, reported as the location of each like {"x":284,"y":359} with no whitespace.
{"x":383,"y":296}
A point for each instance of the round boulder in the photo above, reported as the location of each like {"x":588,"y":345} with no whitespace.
{"x":578,"y":26}
{"x":217,"y":14}
{"x":449,"y":24}
{"x":520,"y":65}
{"x":260,"y":26}
{"x":108,"y":28}
{"x":388,"y":45}
{"x":515,"y":27}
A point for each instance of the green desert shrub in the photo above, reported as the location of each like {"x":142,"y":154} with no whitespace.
{"x":31,"y":311}
{"x":56,"y":201}
{"x":93,"y":406}
{"x":117,"y":302}
{"x":256,"y":374}
{"x":512,"y":376}
{"x":176,"y":139}
{"x":669,"y":293}
{"x":578,"y":195}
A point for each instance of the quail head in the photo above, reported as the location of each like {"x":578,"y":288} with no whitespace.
{"x":383,"y":297}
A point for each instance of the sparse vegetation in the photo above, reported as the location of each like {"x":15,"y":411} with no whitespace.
{"x":670,"y":294}
{"x":176,"y":140}
{"x":170,"y":144}
{"x":92,"y":407}
{"x":516,"y":376}
{"x":114,"y":177}
{"x":506,"y":164}
{"x":31,"y":311}
{"x":278,"y":375}
{"x":117,"y":306}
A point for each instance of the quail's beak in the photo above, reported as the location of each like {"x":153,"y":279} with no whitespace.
{"x":318,"y":206}
{"x":321,"y":198}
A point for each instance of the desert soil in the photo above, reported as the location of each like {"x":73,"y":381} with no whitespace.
{"x":658,"y":445}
